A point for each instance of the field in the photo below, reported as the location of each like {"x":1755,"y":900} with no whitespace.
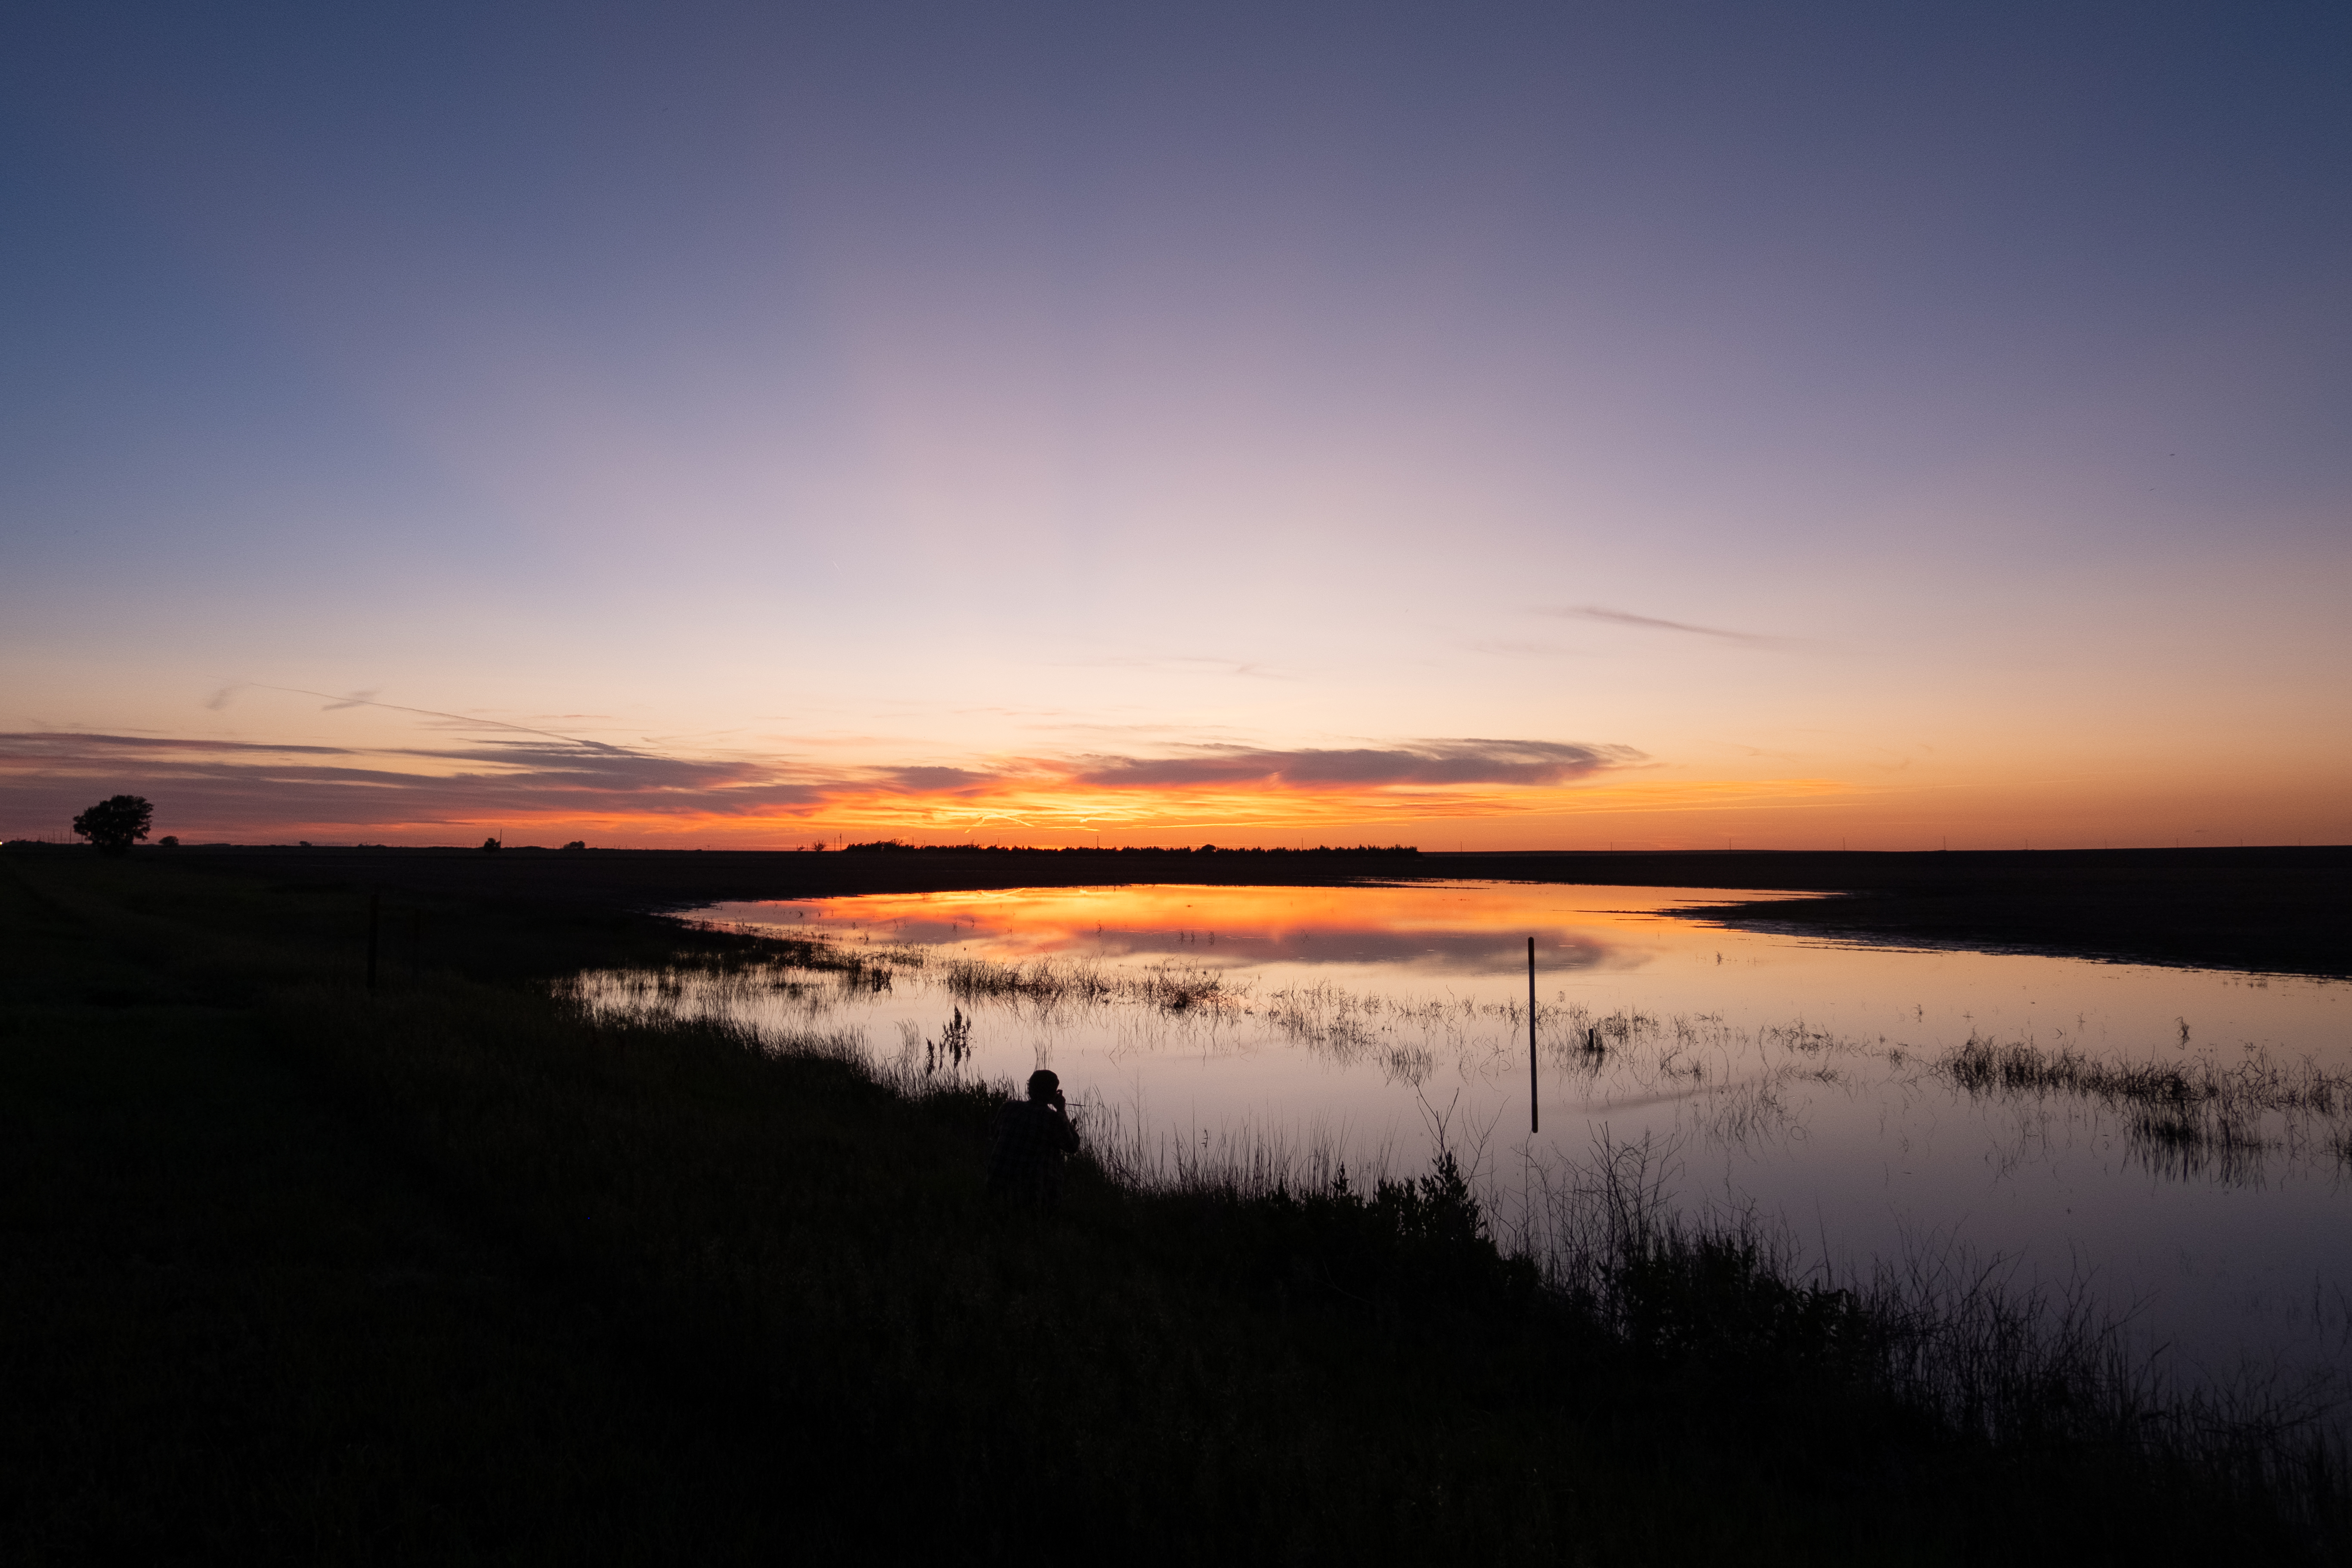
{"x":443,"y":1269}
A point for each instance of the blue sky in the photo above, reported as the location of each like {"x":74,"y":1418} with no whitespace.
{"x":1880,"y":423}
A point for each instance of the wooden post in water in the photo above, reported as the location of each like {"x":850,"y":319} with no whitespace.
{"x":1534,"y":1119}
{"x":375,"y":911}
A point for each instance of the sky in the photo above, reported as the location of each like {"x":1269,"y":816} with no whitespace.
{"x":1483,"y":425}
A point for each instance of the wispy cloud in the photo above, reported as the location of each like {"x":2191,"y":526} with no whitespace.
{"x":939,"y":780}
{"x":1653,"y":623}
{"x":440,"y":720}
{"x":1462,"y":762}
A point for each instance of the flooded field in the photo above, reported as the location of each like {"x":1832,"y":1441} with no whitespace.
{"x":2172,"y":1147}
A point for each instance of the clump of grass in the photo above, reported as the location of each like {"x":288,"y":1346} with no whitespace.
{"x":2181,"y":1140}
{"x":1797,"y":1037}
{"x":2255,"y":1084}
{"x":1626,"y":1026}
{"x":2194,"y":1117}
{"x":1049,"y":981}
{"x":1056,"y":983}
{"x":952,"y":1049}
{"x":1240,"y":1161}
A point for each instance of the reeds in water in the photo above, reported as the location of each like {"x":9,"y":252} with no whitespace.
{"x":2195,"y":1117}
{"x":1056,"y":983}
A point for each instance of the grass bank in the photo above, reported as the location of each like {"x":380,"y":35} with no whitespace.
{"x":453,"y":1269}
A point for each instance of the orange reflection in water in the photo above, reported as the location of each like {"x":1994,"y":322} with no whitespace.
{"x":1240,"y":924}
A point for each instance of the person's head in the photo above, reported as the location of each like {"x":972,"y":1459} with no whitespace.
{"x":1044,"y":1085}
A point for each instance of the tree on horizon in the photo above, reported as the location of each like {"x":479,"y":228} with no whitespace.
{"x":115,"y":823}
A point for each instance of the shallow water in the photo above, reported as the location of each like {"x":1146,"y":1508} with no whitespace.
{"x":1803,"y":1080}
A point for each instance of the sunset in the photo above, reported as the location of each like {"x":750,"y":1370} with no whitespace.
{"x":755,"y":429}
{"x":1551,"y":784}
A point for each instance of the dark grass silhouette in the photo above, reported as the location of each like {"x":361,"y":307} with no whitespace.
{"x":457,"y":1271}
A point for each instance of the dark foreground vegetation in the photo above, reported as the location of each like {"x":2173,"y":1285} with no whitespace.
{"x":447,"y":1271}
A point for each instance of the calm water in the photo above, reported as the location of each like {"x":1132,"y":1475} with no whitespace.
{"x":1799,"y":1080}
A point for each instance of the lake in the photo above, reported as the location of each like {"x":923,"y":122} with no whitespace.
{"x":2174,"y":1146}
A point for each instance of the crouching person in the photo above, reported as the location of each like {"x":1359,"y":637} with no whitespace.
{"x":1031,"y":1139}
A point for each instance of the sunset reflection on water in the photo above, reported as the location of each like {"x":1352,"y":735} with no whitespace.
{"x":1805,"y":1081}
{"x":1443,"y":929}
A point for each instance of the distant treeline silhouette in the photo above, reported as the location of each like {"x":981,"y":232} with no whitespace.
{"x":893,"y":846}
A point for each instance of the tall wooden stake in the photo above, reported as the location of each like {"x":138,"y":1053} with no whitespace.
{"x":1534,"y":1120}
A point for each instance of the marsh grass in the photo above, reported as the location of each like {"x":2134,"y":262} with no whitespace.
{"x":1937,"y":1332}
{"x":1938,"y":1341}
{"x":481,"y":1269}
{"x":1937,"y":1337}
{"x":1055,"y":984}
{"x":2255,"y":1084}
{"x":2196,"y":1118}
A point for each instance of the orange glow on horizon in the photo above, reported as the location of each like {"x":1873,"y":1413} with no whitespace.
{"x":254,"y":793}
{"x":1071,"y":815}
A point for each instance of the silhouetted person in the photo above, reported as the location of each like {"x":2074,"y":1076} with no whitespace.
{"x":1024,"y":1160}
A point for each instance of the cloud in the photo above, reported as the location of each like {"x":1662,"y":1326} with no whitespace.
{"x":1652,"y":622}
{"x":1462,"y":762}
{"x":516,"y":777}
{"x":237,"y":787}
{"x":928,"y":780}
{"x":68,"y":744}
{"x":440,"y":719}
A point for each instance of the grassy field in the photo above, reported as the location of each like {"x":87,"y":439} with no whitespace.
{"x":447,"y":1271}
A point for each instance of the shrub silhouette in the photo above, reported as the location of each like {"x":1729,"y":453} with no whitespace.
{"x":115,"y":823}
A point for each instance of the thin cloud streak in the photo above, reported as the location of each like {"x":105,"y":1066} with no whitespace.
{"x":1652,"y":623}
{"x":220,"y":699}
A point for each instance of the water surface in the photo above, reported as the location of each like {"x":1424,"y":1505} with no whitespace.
{"x":1803,"y":1080}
